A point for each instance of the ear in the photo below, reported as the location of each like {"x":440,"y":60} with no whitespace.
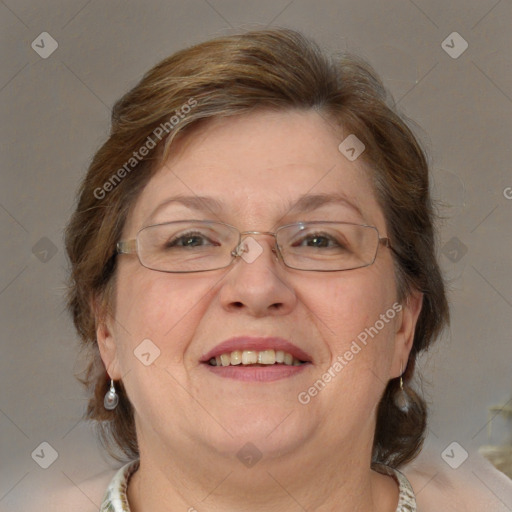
{"x":105,"y":337}
{"x":404,"y":336}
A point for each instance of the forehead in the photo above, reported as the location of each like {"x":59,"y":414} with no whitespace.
{"x":255,"y":167}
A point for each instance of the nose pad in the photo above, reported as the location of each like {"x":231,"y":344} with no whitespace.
{"x":238,"y":250}
{"x":249,"y":249}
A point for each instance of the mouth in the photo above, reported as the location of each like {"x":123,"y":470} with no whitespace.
{"x":260,"y":358}
{"x":256,"y":359}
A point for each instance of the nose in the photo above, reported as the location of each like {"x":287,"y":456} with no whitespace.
{"x":257,"y":283}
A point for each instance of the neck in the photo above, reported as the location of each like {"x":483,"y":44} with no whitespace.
{"x":324,"y":482}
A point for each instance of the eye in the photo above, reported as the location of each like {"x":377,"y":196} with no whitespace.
{"x":190,"y":239}
{"x":319,"y":240}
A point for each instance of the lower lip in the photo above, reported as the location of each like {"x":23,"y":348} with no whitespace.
{"x":257,"y":373}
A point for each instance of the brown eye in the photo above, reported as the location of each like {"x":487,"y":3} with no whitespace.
{"x":192,"y":239}
{"x":320,"y":241}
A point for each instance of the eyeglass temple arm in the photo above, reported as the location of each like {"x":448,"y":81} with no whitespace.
{"x":126,"y":246}
{"x":387,"y":243}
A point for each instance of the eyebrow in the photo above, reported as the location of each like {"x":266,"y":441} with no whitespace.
{"x":305,"y":204}
{"x":310,"y":202}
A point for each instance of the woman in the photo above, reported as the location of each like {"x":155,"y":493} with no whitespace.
{"x":253,"y":268}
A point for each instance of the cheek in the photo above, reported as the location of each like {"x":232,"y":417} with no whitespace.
{"x":161,"y":308}
{"x":359,"y":342}
{"x":356,"y":307}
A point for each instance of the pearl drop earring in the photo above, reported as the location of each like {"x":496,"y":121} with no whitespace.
{"x":401,"y":399}
{"x":111,"y":397}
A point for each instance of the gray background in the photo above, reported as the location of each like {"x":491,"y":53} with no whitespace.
{"x":55,"y":114}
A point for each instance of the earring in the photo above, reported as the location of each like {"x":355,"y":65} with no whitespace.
{"x":401,"y":399}
{"x":111,"y":397}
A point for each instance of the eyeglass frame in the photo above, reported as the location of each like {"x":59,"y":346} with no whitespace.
{"x":131,"y":246}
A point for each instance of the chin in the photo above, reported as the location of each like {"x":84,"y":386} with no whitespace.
{"x":271,"y":430}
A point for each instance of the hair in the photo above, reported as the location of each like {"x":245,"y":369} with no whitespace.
{"x":281,"y":70}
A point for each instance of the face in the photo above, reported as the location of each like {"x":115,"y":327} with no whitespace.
{"x":256,"y":167}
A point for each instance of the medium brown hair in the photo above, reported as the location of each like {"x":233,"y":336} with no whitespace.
{"x":271,"y":69}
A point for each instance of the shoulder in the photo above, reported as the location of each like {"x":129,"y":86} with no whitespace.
{"x":64,"y":494}
{"x":473,"y":486}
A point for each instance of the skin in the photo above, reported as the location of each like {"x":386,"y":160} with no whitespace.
{"x":191,"y":423}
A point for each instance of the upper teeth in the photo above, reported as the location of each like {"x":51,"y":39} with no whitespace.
{"x":254,"y":357}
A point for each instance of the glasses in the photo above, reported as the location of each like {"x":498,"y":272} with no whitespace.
{"x":200,"y":246}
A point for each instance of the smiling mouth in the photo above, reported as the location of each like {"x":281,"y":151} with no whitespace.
{"x":256,"y":358}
